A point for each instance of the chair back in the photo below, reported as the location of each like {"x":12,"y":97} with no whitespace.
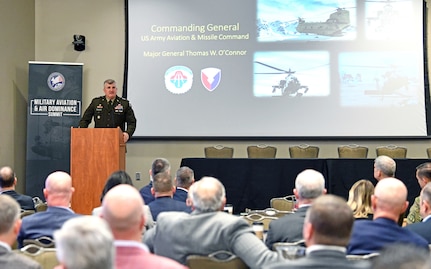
{"x":290,"y":251}
{"x":46,"y":257}
{"x":270,"y":212}
{"x":353,"y":151}
{"x":218,"y":151}
{"x":304,"y":151}
{"x":43,"y":241}
{"x":261,"y":151}
{"x":217,"y":260}
{"x":429,"y":153}
{"x":257,"y":217}
{"x":286,"y":203}
{"x":392,"y":151}
{"x":25,"y":213}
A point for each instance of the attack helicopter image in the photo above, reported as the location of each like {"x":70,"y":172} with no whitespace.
{"x":333,"y":26}
{"x":289,"y":84}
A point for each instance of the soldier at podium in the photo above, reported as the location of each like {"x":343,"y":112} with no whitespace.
{"x":110,"y":111}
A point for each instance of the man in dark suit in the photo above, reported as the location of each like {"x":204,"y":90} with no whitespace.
{"x":423,"y":228}
{"x":388,"y":201}
{"x":9,"y":226}
{"x":309,"y":185}
{"x":163,"y":190}
{"x":327,"y":227}
{"x":58,"y":193}
{"x":184,"y":178}
{"x":8,"y":182}
{"x":159,"y":165}
{"x":207,"y":229}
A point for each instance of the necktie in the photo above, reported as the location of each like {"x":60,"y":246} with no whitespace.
{"x":110,"y":103}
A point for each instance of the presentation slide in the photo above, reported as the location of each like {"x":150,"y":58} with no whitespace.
{"x":276,"y":68}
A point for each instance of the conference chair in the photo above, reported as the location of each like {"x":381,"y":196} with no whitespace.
{"x":25,"y":213}
{"x":286,"y":203}
{"x":46,"y":257}
{"x":429,"y":153}
{"x":43,"y":241}
{"x":392,"y":151}
{"x":304,"y":151}
{"x":39,"y":205}
{"x":352,"y":151}
{"x":257,"y":217}
{"x":370,"y":256}
{"x":270,"y":212}
{"x":217,"y":260}
{"x":261,"y":151}
{"x":218,"y":151}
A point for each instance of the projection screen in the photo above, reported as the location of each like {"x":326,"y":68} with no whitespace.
{"x":276,"y":68}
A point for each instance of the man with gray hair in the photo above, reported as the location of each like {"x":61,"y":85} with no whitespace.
{"x":207,"y":229}
{"x":10,"y":223}
{"x":85,"y":242}
{"x":384,"y":167}
{"x":309,"y":185}
{"x":184,"y":178}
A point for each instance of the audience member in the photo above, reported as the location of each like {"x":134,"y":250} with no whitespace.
{"x":8,"y":182}
{"x":123,"y":210}
{"x":309,"y":185}
{"x":327,"y":228}
{"x":389,"y":201}
{"x":10,"y":223}
{"x":424,"y":228}
{"x":85,"y":242}
{"x":117,"y":178}
{"x":423,"y":175}
{"x":384,"y":167}
{"x":402,"y":256}
{"x":208,"y":229}
{"x":163,"y":190}
{"x":58,"y":193}
{"x":159,"y":165}
{"x":360,"y":199}
{"x":184,"y":178}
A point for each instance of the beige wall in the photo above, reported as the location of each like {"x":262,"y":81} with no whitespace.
{"x":103,"y":24}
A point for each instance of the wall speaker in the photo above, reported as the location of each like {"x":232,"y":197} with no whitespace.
{"x":79,"y":42}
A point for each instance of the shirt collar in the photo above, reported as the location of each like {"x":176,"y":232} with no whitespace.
{"x":130,"y":243}
{"x":324,"y":247}
{"x":6,"y":246}
{"x":426,"y":218}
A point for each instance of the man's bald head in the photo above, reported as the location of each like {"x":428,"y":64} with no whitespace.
{"x":7,"y":177}
{"x":123,"y":209}
{"x":207,"y":195}
{"x":58,"y":189}
{"x":390,"y":197}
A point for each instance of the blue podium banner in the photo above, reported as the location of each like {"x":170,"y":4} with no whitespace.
{"x":54,"y":99}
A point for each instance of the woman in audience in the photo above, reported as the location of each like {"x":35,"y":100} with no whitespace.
{"x":117,"y":178}
{"x":360,"y":199}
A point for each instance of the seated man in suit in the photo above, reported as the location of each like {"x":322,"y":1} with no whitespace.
{"x":9,"y":226}
{"x":423,"y":176}
{"x":402,"y":256}
{"x":58,"y":193}
{"x":309,"y":185}
{"x":207,"y":229}
{"x":388,"y":201}
{"x":123,"y":210}
{"x":327,"y":227}
{"x":184,"y":178}
{"x":7,"y":186}
{"x":159,"y":165}
{"x":384,"y":166}
{"x":163,"y":190}
{"x":85,"y":242}
{"x":423,"y":228}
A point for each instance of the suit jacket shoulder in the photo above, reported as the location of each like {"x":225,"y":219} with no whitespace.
{"x":10,"y":259}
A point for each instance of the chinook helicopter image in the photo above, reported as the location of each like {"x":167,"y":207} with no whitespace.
{"x":289,"y":84}
{"x":337,"y":22}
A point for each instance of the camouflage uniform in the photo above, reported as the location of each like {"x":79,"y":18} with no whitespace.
{"x":414,"y":213}
{"x":106,"y":116}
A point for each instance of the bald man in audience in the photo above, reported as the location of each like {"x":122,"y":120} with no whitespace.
{"x":388,"y":201}
{"x":8,"y":182}
{"x":123,"y":209}
{"x":423,"y":228}
{"x":58,"y":194}
{"x":10,"y":223}
{"x":207,"y":229}
{"x":384,"y":167}
{"x":326,"y":230}
{"x":184,"y":178}
{"x":309,"y":185}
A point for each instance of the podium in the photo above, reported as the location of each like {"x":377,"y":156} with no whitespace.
{"x":94,"y":154}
